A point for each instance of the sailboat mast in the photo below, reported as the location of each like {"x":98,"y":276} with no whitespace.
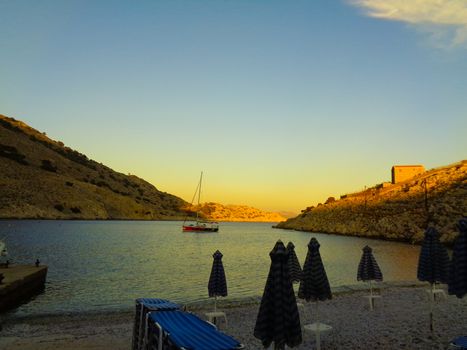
{"x":199,"y":194}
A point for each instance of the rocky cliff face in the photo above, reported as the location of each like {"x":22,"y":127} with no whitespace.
{"x":219,"y":212}
{"x":395,"y":211}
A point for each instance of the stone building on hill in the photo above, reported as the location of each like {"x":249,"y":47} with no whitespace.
{"x":404,"y":172}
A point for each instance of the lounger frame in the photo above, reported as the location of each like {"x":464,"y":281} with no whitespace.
{"x":158,"y":339}
{"x":143,"y":307}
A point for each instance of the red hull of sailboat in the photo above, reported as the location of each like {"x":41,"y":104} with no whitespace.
{"x":200,"y":229}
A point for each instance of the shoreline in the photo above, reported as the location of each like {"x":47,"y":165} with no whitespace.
{"x":400,"y":321}
{"x":128,"y":219}
{"x":227,"y":303}
{"x":358,"y":235}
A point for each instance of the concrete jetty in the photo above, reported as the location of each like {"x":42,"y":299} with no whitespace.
{"x":20,"y":282}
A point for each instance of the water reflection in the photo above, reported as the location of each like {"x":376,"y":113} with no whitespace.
{"x":106,"y":265}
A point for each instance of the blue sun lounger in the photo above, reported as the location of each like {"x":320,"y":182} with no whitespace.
{"x":143,"y":307}
{"x":178,"y":330}
{"x":459,"y":343}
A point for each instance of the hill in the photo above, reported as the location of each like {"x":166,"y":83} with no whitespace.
{"x":399,"y":211}
{"x":41,"y":178}
{"x":219,"y":212}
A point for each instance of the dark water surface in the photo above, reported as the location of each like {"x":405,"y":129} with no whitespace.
{"x":105,"y":265}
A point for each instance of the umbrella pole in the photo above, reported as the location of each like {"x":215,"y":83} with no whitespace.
{"x":318,"y":337}
{"x":279,"y":346}
{"x":432,"y":296}
{"x":371,"y":297}
{"x":215,"y":303}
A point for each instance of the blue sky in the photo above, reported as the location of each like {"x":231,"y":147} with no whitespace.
{"x":281,"y":103}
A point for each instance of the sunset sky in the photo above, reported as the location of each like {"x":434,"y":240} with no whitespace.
{"x":281,"y":103}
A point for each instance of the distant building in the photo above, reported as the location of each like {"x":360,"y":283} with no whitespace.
{"x":405,"y":172}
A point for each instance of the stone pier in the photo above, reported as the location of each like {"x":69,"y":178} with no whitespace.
{"x":20,"y":282}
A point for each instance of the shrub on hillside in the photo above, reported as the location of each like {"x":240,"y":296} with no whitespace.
{"x":7,"y":125}
{"x":12,"y":153}
{"x":103,"y":184}
{"x":75,"y":210}
{"x":48,"y":165}
{"x":59,"y":207}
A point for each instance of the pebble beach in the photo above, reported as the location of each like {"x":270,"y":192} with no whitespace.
{"x":400,"y":320}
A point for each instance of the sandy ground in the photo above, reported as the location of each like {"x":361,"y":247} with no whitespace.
{"x":399,"y":321}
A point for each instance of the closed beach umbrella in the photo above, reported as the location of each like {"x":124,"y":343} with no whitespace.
{"x":433,"y":264}
{"x":278,"y":320}
{"x":368,"y":269}
{"x":458,"y":272}
{"x":314,"y":285}
{"x":217,"y":285}
{"x":295,"y":269}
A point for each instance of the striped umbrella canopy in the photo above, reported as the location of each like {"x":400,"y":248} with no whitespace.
{"x":217,"y":285}
{"x":457,"y":284}
{"x":278,"y":320}
{"x":368,"y":269}
{"x":433,"y":262}
{"x":314,"y":285}
{"x":295,"y":269}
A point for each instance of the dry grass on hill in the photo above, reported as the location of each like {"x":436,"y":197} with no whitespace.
{"x":401,"y":211}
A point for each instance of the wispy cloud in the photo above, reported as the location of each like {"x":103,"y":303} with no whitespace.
{"x":444,"y":20}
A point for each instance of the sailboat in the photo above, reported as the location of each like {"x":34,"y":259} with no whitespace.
{"x":200,"y":225}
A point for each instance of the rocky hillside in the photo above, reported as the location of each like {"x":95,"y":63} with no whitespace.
{"x":399,"y":211}
{"x":219,"y":212}
{"x":43,"y":179}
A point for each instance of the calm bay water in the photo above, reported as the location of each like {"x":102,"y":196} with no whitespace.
{"x":105,"y":265}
